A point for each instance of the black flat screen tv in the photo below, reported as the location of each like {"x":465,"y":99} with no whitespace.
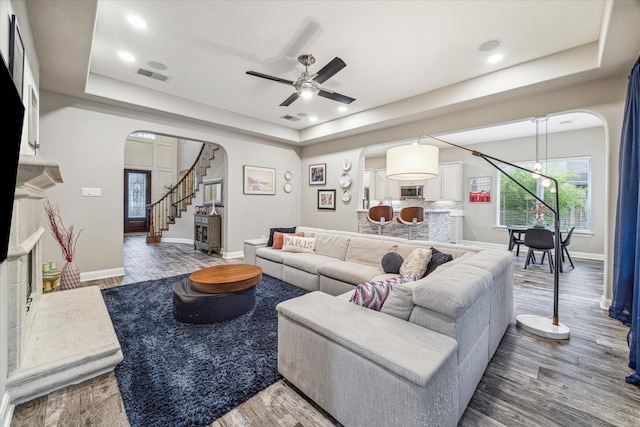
{"x":13,"y":117}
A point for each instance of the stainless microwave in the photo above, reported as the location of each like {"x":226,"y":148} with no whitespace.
{"x":411,"y":192}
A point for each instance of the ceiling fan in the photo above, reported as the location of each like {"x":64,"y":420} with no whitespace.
{"x":308,"y":84}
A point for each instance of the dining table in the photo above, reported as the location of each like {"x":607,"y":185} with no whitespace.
{"x":516,"y":232}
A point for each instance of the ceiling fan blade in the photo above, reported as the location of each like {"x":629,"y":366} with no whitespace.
{"x":335,"y":96}
{"x":289,"y":100}
{"x":268,"y":77}
{"x":329,"y":70}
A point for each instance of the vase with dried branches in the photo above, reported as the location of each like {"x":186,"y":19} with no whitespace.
{"x":67,"y":238}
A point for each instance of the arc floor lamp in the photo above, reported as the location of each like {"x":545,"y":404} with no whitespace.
{"x":416,"y":161}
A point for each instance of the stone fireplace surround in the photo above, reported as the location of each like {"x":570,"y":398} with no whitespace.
{"x":64,"y":337}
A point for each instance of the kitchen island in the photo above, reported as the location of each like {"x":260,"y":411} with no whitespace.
{"x":436,"y":226}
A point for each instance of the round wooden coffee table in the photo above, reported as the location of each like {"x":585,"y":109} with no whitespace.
{"x":215,"y":294}
{"x":225,"y":278}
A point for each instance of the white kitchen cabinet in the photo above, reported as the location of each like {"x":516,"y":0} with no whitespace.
{"x":381,"y":186}
{"x":393,"y":186}
{"x":448,"y":184}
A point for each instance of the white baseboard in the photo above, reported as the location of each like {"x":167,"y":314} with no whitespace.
{"x":230,"y":255}
{"x":101,"y":274}
{"x":605,"y":303}
{"x":6,"y":410}
{"x":574,"y":255}
{"x":177,"y":240}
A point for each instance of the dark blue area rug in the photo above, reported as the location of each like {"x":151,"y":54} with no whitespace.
{"x":181,"y":374}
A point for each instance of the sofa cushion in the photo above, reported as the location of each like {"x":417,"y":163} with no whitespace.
{"x":306,"y":261}
{"x":333,"y":245}
{"x":298,"y":244}
{"x":350,"y":272}
{"x":437,"y":259}
{"x":373,"y":294}
{"x":275,"y":255}
{"x":465,"y":285}
{"x":391,"y":262}
{"x":399,"y":302}
{"x":416,"y":262}
{"x":454,"y":261}
{"x":281,"y":230}
{"x":368,"y":251}
{"x":278,"y":238}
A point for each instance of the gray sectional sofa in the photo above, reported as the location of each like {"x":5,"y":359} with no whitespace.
{"x":417,"y":361}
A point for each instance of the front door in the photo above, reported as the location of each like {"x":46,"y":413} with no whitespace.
{"x":137,"y":195}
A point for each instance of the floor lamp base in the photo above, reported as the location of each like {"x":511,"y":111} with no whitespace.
{"x":542,"y":326}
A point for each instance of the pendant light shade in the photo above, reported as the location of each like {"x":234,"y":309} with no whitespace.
{"x":412,"y":162}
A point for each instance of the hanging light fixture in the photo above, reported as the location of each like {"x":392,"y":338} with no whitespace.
{"x":546,"y":182}
{"x":412,"y":162}
{"x":537,"y":167}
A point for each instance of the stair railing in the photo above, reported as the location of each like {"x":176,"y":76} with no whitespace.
{"x":164,"y":212}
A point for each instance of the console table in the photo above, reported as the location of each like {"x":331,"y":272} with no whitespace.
{"x":207,"y":230}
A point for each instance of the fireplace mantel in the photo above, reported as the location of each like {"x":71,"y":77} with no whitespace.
{"x":58,"y":338}
{"x":37,"y":173}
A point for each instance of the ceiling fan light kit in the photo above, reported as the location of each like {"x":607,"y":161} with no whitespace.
{"x":308,"y":84}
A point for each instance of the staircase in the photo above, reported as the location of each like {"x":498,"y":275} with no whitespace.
{"x":163,"y":213}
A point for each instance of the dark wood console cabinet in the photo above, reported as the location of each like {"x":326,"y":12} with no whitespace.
{"x":207,"y":232}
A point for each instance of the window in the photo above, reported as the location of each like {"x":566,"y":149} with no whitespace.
{"x":144,"y":135}
{"x":573,"y":174}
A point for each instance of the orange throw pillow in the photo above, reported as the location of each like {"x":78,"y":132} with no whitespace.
{"x":278,"y":238}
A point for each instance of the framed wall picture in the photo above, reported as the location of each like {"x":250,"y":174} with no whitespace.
{"x":258,"y":180}
{"x":16,"y":55}
{"x":212,"y":194}
{"x":327,"y":199}
{"x":480,"y":189}
{"x":318,"y":174}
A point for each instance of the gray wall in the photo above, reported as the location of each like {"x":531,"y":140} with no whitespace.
{"x":91,"y":154}
{"x":604,"y":98}
{"x":480,"y":221}
{"x":480,"y":218}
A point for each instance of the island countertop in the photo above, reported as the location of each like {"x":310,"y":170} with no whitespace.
{"x":435,"y":227}
{"x":452,"y":212}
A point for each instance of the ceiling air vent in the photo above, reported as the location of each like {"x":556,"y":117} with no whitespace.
{"x":152,"y":74}
{"x":290,"y":118}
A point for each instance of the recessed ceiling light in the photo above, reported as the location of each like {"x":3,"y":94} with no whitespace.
{"x":490,"y":45}
{"x":157,"y":65}
{"x":495,"y":58}
{"x":136,"y":21}
{"x":313,"y":119}
{"x":342,"y":108}
{"x":126,"y":56}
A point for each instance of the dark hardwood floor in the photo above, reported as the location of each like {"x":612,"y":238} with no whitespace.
{"x":531,"y":381}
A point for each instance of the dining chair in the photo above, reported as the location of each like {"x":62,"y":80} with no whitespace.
{"x":539,"y":239}
{"x":515,"y":241}
{"x":412,"y":217}
{"x":380,"y":215}
{"x":564,"y":244}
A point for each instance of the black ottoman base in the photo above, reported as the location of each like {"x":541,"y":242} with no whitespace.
{"x":196,"y":307}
